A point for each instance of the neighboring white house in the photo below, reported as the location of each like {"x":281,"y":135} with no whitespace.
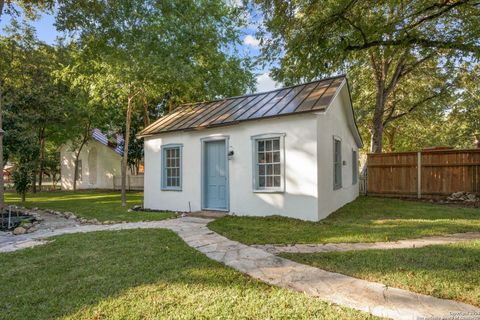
{"x":291,"y":152}
{"x":99,"y":162}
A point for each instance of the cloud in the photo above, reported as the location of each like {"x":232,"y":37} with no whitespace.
{"x":251,"y":41}
{"x":266,"y":83}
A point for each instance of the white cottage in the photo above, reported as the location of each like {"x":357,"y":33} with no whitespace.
{"x":99,"y":161}
{"x":291,"y":152}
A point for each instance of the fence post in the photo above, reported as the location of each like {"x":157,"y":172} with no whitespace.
{"x":419,"y":174}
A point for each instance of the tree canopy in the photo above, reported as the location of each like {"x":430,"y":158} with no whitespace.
{"x":400,"y":55}
{"x":126,"y":61}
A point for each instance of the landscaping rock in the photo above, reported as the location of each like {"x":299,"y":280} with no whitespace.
{"x":72,"y":217}
{"x":463,"y":197}
{"x":19,"y":230}
{"x":32,"y":229}
{"x":471,"y":197}
{"x":27,"y":225}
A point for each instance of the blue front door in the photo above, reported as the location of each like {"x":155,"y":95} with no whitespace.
{"x":215,"y":175}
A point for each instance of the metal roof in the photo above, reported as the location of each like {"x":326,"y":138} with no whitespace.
{"x":307,"y":97}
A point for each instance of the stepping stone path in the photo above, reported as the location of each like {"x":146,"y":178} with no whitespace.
{"x":401,"y":244}
{"x":371,"y":297}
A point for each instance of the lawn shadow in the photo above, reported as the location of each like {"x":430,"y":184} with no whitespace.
{"x":80,"y":270}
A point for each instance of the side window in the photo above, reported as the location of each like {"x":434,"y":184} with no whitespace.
{"x":354,"y":167}
{"x":172,"y":167}
{"x":268,"y":163}
{"x":79,"y":170}
{"x":337,"y":163}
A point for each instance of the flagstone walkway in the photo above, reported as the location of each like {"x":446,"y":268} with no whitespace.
{"x":401,"y":244}
{"x":333,"y":287}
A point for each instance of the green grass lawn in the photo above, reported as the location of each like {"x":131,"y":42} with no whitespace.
{"x":141,"y":274}
{"x":446,"y":271}
{"x":366,"y":219}
{"x":102,"y":205}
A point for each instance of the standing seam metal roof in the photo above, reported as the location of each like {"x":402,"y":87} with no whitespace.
{"x":308,"y":97}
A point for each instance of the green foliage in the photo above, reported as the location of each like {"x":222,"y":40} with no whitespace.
{"x":22,"y":178}
{"x":156,"y":50}
{"x":37,"y":108}
{"x":402,"y":57}
{"x":464,"y":119}
{"x":29,"y":8}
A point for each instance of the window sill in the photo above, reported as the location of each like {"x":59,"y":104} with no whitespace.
{"x":171,"y":189}
{"x":268,"y":191}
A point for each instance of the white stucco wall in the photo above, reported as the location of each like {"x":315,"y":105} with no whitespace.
{"x":107,"y":165}
{"x":309,"y":192}
{"x":334,"y":122}
{"x":300,"y":197}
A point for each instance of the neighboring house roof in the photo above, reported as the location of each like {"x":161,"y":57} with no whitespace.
{"x":100,"y":137}
{"x":308,"y":97}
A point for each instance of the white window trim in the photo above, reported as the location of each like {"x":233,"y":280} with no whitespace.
{"x":337,"y":186}
{"x":163,"y":180}
{"x":255,"y":187}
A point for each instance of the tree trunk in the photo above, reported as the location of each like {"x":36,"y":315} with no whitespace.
{"x":2,"y":203}
{"x":23,"y":197}
{"x":75,"y":172}
{"x":42,"y":157}
{"x":377,"y":124}
{"x":77,"y":156}
{"x":125,"y":151}
{"x":390,"y":135}
{"x":146,"y":117}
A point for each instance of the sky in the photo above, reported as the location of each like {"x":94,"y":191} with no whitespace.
{"x":47,"y":32}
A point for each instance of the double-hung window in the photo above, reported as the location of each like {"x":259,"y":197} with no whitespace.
{"x":354,"y":167}
{"x":337,"y":163}
{"x":172,"y":167}
{"x":269,"y":171}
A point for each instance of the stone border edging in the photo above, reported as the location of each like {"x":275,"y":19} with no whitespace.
{"x":388,"y":245}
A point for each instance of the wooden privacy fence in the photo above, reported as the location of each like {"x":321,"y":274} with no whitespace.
{"x":432,"y":173}
{"x":134,"y":182}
